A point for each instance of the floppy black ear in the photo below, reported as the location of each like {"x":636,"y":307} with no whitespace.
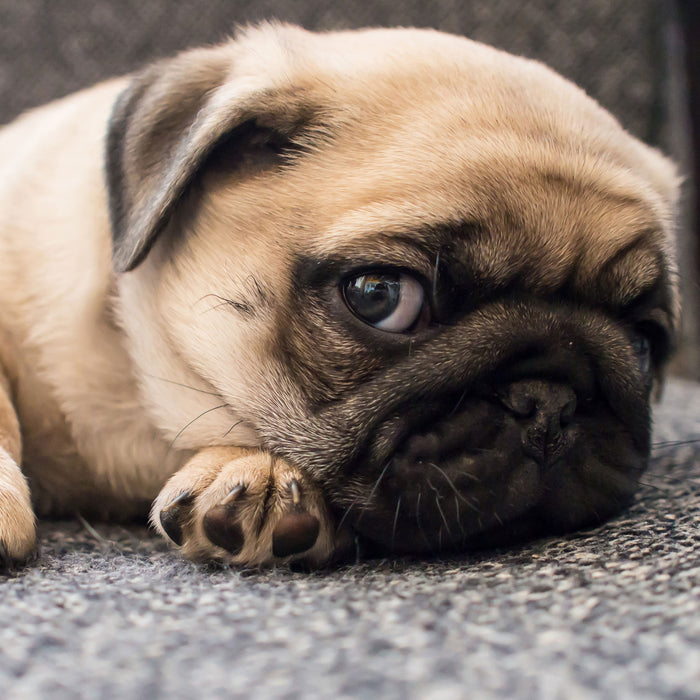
{"x":164,"y":127}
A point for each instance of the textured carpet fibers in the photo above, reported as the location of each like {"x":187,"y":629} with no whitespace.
{"x":111,"y":612}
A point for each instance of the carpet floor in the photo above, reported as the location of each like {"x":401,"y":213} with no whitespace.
{"x":111,"y":612}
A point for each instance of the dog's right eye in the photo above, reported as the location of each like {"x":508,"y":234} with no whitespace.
{"x":391,"y":301}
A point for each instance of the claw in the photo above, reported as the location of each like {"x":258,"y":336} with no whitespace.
{"x":177,"y":500}
{"x":233,"y":494}
{"x":171,"y":516}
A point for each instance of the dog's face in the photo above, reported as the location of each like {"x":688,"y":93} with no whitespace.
{"x":433,"y":275}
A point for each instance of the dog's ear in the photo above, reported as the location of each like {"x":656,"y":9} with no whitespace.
{"x":167,"y":124}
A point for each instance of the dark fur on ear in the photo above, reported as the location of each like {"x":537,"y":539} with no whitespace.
{"x":165,"y":126}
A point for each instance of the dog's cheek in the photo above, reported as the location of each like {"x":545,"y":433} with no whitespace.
{"x":324,"y":359}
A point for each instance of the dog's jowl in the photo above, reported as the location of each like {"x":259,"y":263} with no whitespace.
{"x":304,"y":288}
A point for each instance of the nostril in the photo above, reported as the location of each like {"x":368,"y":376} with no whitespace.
{"x":517,"y":402}
{"x":539,"y":399}
{"x":544,"y":410}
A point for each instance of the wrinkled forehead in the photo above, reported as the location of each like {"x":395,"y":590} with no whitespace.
{"x":480,"y":136}
{"x":531,"y":199}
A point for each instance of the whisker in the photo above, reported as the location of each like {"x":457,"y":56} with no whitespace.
{"x":184,"y":386}
{"x":454,"y":488}
{"x":372,"y":492}
{"x":689,"y":485}
{"x":346,"y":513}
{"x":457,"y":405}
{"x":91,"y":530}
{"x":203,"y":413}
{"x":656,"y":487}
{"x":444,"y":519}
{"x":435,"y":274}
{"x":235,"y":425}
{"x":674,"y":479}
{"x":674,"y":443}
{"x":396,"y":520}
{"x":459,"y":518}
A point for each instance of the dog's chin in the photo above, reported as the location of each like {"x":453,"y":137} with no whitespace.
{"x":462,"y":472}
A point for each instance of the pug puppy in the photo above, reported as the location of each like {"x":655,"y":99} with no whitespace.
{"x":303,"y":288}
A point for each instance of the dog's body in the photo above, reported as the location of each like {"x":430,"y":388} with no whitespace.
{"x":253,"y":191}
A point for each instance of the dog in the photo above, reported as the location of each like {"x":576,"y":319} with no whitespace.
{"x":308,"y":289}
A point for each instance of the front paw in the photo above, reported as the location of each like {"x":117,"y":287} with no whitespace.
{"x":246,"y":507}
{"x":17,"y":522}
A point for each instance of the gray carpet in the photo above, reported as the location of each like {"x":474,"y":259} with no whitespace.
{"x":110,"y":612}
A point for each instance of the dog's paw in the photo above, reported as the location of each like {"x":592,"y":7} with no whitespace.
{"x":246,"y":507}
{"x":17,"y":522}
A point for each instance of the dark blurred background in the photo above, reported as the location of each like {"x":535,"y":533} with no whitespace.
{"x":637,"y":58}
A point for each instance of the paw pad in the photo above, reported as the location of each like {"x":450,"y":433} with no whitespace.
{"x":295,"y":533}
{"x":222,"y":523}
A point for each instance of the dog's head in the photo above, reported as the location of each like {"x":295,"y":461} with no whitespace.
{"x":436,"y":276}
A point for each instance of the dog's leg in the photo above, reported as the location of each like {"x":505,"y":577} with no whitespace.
{"x":17,"y":523}
{"x":247,"y":507}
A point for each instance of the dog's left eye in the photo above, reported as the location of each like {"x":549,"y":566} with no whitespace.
{"x":642,"y":347}
{"x":390,"y":301}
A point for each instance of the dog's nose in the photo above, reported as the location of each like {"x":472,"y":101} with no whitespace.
{"x":544,"y":410}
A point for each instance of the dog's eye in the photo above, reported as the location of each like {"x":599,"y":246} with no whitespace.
{"x":390,"y":301}
{"x":642,"y":346}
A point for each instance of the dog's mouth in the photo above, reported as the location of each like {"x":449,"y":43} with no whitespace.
{"x":494,"y":465}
